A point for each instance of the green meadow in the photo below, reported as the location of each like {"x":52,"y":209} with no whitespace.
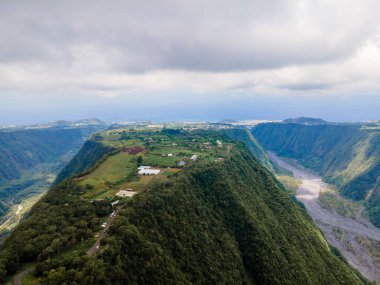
{"x":155,"y":148}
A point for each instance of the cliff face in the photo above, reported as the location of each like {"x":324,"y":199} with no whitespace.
{"x":250,"y":142}
{"x":23,"y":149}
{"x":30,"y":157}
{"x":345,"y":155}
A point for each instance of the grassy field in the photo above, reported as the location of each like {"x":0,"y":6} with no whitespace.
{"x":156,"y":149}
{"x":146,"y":182}
{"x":112,"y":169}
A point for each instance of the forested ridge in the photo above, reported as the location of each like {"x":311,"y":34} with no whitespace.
{"x":30,"y":157}
{"x":214,"y":223}
{"x":23,"y":149}
{"x":345,"y":155}
{"x":250,"y":142}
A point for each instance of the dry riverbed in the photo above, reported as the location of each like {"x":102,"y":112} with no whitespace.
{"x":357,"y":239}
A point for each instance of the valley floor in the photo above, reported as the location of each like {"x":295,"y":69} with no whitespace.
{"x":357,"y":239}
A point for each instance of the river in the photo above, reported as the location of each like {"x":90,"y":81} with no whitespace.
{"x":341,"y":232}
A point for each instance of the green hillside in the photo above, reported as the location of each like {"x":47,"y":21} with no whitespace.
{"x":256,"y":149}
{"x":220,"y":219}
{"x":345,"y":155}
{"x":89,"y":155}
{"x":29,"y":161}
{"x":23,"y":149}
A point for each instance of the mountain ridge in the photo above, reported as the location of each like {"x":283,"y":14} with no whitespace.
{"x":346,"y":155}
{"x":225,"y":221}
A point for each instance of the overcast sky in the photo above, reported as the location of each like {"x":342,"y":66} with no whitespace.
{"x":205,"y":60}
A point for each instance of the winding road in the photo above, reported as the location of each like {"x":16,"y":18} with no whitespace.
{"x":349,"y":230}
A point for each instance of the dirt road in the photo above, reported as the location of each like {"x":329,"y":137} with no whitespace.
{"x":101,"y":236}
{"x":19,"y":276}
{"x":341,"y":232}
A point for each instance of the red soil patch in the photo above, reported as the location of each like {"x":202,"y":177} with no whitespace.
{"x":133,"y":150}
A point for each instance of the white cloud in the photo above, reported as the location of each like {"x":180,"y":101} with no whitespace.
{"x":119,"y":48}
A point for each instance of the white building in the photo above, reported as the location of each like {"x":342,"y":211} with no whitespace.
{"x":149,"y":171}
{"x":144,"y":167}
{"x":194,"y":157}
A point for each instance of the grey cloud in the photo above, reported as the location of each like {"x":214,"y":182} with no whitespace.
{"x":141,"y":36}
{"x":306,"y":86}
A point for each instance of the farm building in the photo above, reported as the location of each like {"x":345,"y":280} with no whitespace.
{"x":149,"y":171}
{"x":194,"y":157}
{"x":143,"y":167}
{"x":181,"y":163}
{"x":126,"y":193}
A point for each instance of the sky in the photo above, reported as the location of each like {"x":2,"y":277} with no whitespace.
{"x":189,"y":60}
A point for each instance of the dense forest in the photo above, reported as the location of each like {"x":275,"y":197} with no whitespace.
{"x":345,"y":155}
{"x":228,"y":222}
{"x":58,"y":221}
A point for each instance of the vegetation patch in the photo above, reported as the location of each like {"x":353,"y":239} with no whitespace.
{"x":372,"y":247}
{"x":290,"y":183}
{"x":332,"y":202}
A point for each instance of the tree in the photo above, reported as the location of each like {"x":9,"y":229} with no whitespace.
{"x":139,"y":160}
